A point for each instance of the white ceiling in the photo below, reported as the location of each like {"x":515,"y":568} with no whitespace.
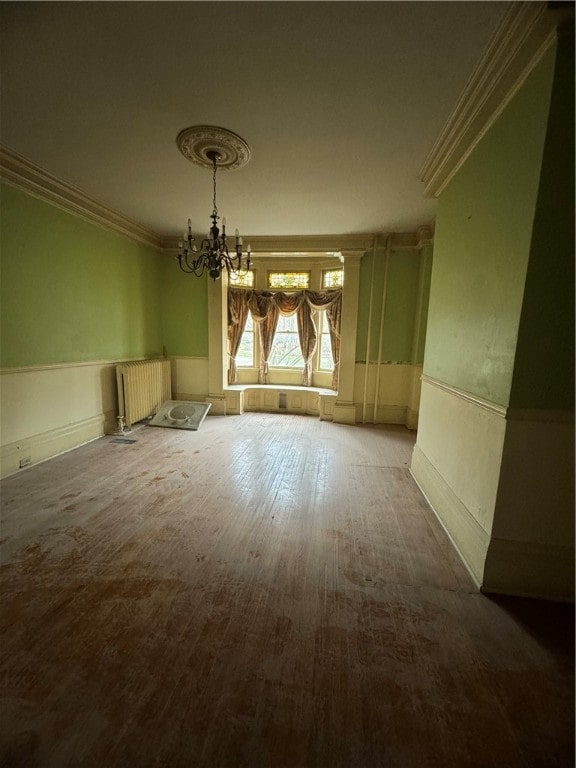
{"x":340,"y":103}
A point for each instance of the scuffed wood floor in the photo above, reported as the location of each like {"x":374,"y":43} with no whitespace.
{"x":268,"y":592}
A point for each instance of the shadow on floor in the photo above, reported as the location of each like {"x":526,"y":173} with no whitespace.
{"x":550,"y":623}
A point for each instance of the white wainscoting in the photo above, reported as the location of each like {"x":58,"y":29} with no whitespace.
{"x":190,"y":378}
{"x":51,"y":409}
{"x":501,"y":482}
{"x":456,"y":462}
{"x":398,"y":387}
{"x":398,"y":400}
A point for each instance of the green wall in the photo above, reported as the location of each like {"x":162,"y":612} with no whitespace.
{"x":544,"y":364}
{"x":482,"y":244}
{"x":184,"y":301}
{"x":71,"y":291}
{"x":403,"y":284}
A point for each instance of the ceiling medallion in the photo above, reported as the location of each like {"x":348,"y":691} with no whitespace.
{"x":201,"y":143}
{"x":213,"y":148}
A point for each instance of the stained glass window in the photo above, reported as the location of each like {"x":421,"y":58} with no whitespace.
{"x":332,"y":278}
{"x":246,"y":280}
{"x":289,"y":280}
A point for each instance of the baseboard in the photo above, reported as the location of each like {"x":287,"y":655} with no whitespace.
{"x":466,"y":534}
{"x":24,"y":453}
{"x":391,"y":414}
{"x":412,"y":418}
{"x":387,"y":414}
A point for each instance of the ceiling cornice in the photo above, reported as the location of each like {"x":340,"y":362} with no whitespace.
{"x":526,"y":32}
{"x":20,"y":172}
{"x":320,"y":245}
{"x":296,"y":244}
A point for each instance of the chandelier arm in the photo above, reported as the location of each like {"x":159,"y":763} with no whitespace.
{"x":213,"y":255}
{"x":190,"y":268}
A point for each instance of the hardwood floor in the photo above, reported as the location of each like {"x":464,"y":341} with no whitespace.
{"x":271,"y":591}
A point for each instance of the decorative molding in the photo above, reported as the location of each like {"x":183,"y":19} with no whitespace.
{"x":308,"y":246}
{"x":425,"y":236}
{"x":59,"y":366}
{"x":295,"y":245}
{"x":20,"y":172}
{"x":526,"y":32}
{"x":499,"y":410}
{"x":508,"y":413}
{"x":196,"y":144}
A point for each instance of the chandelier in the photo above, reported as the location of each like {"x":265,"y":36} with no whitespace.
{"x":218,"y":147}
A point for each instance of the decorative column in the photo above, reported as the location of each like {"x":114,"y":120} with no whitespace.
{"x":217,"y":343}
{"x":345,"y":407}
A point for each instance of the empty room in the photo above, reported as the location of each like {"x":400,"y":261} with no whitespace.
{"x":287,"y":384}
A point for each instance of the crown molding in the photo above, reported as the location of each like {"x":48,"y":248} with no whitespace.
{"x":20,"y":172}
{"x":304,"y":245}
{"x":322,"y":245}
{"x":526,"y":32}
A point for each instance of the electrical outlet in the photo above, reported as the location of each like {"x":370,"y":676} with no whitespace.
{"x":25,"y":461}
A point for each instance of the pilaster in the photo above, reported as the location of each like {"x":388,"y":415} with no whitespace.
{"x":345,"y":407}
{"x":217,"y":343}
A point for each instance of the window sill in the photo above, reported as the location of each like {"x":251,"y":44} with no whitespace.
{"x":280,"y":387}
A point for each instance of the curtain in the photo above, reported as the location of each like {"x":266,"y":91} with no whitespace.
{"x":308,"y":338}
{"x":265,"y":308}
{"x":334,"y":315}
{"x":265,"y":314}
{"x":331,"y":302}
{"x":237,"y":316}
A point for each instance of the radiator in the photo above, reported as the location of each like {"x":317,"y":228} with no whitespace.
{"x":142,"y":388}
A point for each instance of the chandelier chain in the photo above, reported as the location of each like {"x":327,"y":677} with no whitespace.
{"x":213,"y":256}
{"x":215,"y":211}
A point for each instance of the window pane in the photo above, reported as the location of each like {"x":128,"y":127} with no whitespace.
{"x":332,"y":278}
{"x":245,"y":356}
{"x":289,"y":280}
{"x":286,"y":347}
{"x":287,"y":324}
{"x":286,"y":352}
{"x":242,"y":280}
{"x":326,"y":359}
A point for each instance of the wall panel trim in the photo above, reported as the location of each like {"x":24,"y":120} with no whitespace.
{"x":499,"y":410}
